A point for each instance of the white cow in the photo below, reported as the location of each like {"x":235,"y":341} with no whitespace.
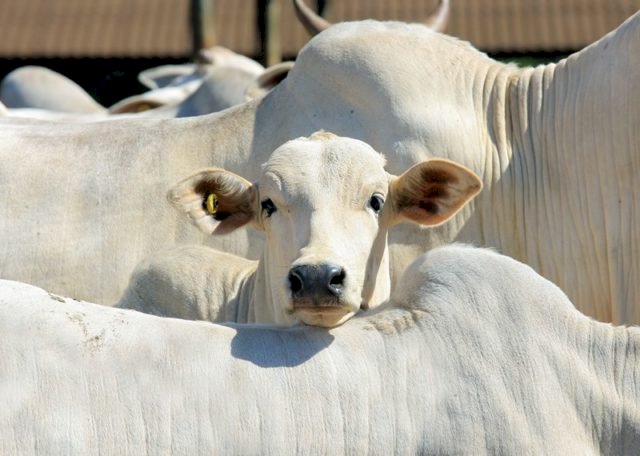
{"x":557,"y":148}
{"x":170,"y":95}
{"x":164,"y":75}
{"x":271,"y":77}
{"x":41,"y":93}
{"x":218,"y":81}
{"x":325,"y":204}
{"x":476,"y":354}
{"x":437,"y":20}
{"x":41,"y":88}
{"x":202,"y":92}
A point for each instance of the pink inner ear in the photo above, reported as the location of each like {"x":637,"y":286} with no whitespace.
{"x":433,"y":175}
{"x":233,"y":203}
{"x":432,"y":191}
{"x":435,"y":190}
{"x":232,"y":222}
{"x":430,"y":207}
{"x":429,"y":214}
{"x":427,"y":196}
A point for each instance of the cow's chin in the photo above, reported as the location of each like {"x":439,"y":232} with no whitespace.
{"x":324,"y":316}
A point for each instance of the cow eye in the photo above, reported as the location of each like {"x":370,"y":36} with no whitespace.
{"x":376,"y":202}
{"x":268,"y":207}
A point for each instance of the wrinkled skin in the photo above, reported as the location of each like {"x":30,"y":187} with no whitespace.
{"x":475,"y":354}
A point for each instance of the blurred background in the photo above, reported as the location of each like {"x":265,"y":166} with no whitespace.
{"x":103,"y":44}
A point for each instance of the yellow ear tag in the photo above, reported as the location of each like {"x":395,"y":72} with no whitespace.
{"x":212,"y":204}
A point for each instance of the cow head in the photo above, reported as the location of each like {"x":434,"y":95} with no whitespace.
{"x":325,"y":204}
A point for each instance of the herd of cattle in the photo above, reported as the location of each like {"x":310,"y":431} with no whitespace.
{"x":325,"y":196}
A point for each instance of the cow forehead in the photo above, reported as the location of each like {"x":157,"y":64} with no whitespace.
{"x":323,"y":162}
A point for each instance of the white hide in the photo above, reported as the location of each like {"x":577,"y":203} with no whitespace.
{"x":557,"y":148}
{"x":165,"y":75}
{"x":220,"y":80}
{"x":476,"y":354}
{"x":217,"y":82}
{"x":42,"y":88}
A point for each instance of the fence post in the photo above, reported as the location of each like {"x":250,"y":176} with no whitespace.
{"x":203,"y":24}
{"x":269,"y":30}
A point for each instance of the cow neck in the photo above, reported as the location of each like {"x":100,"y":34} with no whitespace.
{"x":574,"y":144}
{"x":377,"y":286}
{"x":610,"y":405}
{"x":564,"y":115}
{"x":493,"y":102}
{"x":267,"y":303}
{"x":227,"y":140}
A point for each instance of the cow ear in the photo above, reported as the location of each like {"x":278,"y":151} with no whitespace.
{"x":432,"y":191}
{"x":162,"y":76}
{"x":136,"y":103}
{"x":215,"y":200}
{"x":271,"y":77}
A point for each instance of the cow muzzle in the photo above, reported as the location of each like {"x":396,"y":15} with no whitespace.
{"x":316,"y":294}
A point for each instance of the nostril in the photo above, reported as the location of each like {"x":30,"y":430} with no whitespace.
{"x":295,"y":282}
{"x":336,"y":280}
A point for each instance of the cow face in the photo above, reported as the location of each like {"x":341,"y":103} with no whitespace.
{"x":325,"y":204}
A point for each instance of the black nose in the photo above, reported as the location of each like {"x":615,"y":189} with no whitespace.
{"x":318,"y":280}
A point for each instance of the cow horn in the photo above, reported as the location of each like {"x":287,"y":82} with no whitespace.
{"x":309,"y":19}
{"x":315,"y":24}
{"x":439,"y":17}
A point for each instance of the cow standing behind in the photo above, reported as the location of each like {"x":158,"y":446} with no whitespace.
{"x":219,"y":80}
{"x":326,"y":204}
{"x":41,"y":88}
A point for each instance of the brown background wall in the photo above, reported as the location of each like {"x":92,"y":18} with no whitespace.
{"x":103,"y":44}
